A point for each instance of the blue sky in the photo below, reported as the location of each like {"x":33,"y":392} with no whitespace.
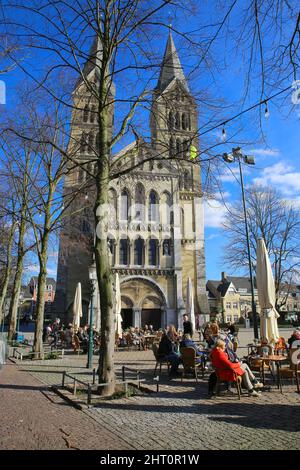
{"x":220,"y":81}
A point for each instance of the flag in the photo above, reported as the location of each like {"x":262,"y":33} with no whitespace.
{"x":193,"y":152}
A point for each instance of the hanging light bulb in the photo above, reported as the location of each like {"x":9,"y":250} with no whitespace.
{"x":86,"y":196}
{"x":267,"y":112}
{"x":224,"y":133}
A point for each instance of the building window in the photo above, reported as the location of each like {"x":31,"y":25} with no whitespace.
{"x":153,"y":214}
{"x":139,"y":202}
{"x":184,"y":121}
{"x":91,"y":142}
{"x":92,"y":115}
{"x":171,"y":120}
{"x":124,"y":205}
{"x":167,"y":247}
{"x":235,"y":318}
{"x":178,"y":147}
{"x":112,"y":249}
{"x":83,"y":143}
{"x":177,"y":120}
{"x":228,"y":318}
{"x":138,"y":251}
{"x":124,"y":251}
{"x":228,"y":304}
{"x":171,"y":148}
{"x":153,"y":252}
{"x":86,"y":113}
{"x":235,"y":305}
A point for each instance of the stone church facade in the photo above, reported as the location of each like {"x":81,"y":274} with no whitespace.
{"x":156,"y":227}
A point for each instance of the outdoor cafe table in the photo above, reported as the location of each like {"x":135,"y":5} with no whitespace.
{"x":278,"y":360}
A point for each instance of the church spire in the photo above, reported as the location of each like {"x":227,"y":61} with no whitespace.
{"x":171,"y":67}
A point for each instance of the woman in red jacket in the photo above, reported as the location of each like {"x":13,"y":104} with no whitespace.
{"x":227,"y":370}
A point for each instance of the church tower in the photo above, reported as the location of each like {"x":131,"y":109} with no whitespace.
{"x":77,"y":232}
{"x":174,"y":132}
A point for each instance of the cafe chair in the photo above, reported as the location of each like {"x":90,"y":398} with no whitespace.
{"x":189,"y":362}
{"x":160,"y":360}
{"x":293,"y":370}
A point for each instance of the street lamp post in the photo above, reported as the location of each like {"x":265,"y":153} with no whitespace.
{"x":93,"y":280}
{"x":230,"y":158}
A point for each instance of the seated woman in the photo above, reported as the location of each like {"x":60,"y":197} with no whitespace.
{"x":165,"y":351}
{"x":227,"y":370}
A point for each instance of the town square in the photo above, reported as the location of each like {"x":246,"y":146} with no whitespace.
{"x":150,"y":227}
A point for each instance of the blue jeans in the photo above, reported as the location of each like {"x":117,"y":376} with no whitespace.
{"x":174,"y":361}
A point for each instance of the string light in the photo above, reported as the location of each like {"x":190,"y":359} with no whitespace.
{"x":224,"y":133}
{"x":86,"y":196}
{"x":267,"y":112}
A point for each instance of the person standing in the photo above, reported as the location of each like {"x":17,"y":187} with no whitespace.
{"x":187,"y":326}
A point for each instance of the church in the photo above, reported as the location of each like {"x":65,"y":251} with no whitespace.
{"x":156,"y":224}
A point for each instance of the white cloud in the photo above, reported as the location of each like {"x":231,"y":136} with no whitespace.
{"x":214,"y":214}
{"x":282,"y":176}
{"x":232,"y":174}
{"x":265,"y":152}
{"x":33,"y":270}
{"x":212,"y":236}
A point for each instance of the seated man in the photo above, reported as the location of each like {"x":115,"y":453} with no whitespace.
{"x":165,"y":351}
{"x":187,"y":342}
{"x":227,"y":370}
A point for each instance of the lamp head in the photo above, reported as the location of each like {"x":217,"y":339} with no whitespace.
{"x":228,"y":157}
{"x":250,"y":159}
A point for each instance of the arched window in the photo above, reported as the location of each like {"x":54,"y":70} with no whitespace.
{"x":153,"y":213}
{"x":153,"y":252}
{"x":178,"y":148}
{"x":124,"y":251}
{"x":93,"y":114}
{"x":112,"y":249}
{"x":124,"y":205}
{"x":91,"y":142}
{"x":171,"y":147}
{"x":140,"y":202}
{"x":184,"y":121}
{"x":138,"y":251}
{"x":86,"y":113}
{"x":187,"y":180}
{"x":83,"y":143}
{"x":177,"y":120}
{"x":185,"y":148}
{"x":171,"y":120}
{"x":167,"y":247}
{"x":165,"y":206}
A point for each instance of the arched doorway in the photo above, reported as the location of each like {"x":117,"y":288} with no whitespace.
{"x":152,"y":312}
{"x":127,"y":312}
{"x":145,"y":304}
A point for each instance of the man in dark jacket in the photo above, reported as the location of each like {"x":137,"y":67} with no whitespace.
{"x":187,"y":326}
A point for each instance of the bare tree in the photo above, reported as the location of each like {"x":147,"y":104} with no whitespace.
{"x":278,"y":223}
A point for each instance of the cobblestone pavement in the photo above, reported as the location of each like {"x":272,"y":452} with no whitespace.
{"x":180,"y":416}
{"x":33,"y":417}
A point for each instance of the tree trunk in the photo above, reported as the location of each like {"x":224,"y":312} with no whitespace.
{"x":40,"y":305}
{"x":7,"y":272}
{"x":106,"y":356}
{"x":14,"y":303}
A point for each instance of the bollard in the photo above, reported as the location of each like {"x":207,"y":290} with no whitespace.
{"x":74,"y":391}
{"x":94,"y":376}
{"x":89,"y":395}
{"x":138,"y":378}
{"x":123,"y":373}
{"x":63,"y":379}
